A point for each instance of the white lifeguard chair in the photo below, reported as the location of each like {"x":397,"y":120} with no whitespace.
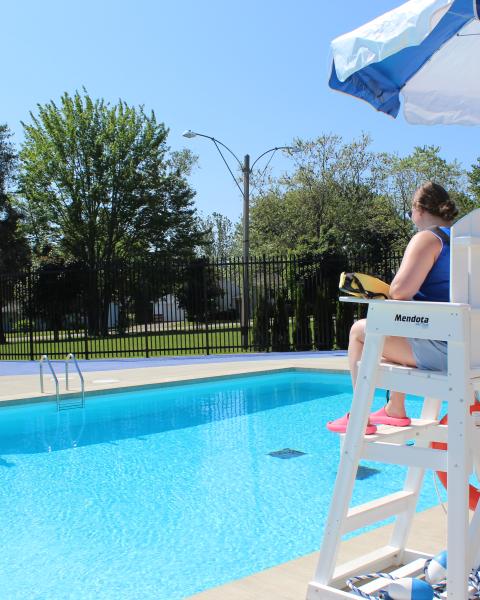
{"x":458,"y":323}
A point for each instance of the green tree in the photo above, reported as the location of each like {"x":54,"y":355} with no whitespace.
{"x":99,"y":183}
{"x":57,"y":290}
{"x":14,"y":248}
{"x":403,"y":175}
{"x":219,"y":236}
{"x":471,"y":201}
{"x":332,"y":201}
{"x":342,"y":196}
{"x":198,"y":290}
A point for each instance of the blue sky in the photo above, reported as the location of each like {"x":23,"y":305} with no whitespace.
{"x":252,"y":74}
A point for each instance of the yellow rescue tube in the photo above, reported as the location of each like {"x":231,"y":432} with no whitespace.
{"x":363,"y":286}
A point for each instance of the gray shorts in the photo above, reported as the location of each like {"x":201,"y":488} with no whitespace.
{"x":430,"y":355}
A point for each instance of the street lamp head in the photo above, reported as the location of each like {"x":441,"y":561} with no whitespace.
{"x":189,"y":134}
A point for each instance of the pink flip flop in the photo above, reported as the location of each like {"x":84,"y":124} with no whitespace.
{"x":340,"y":425}
{"x":381,"y":418}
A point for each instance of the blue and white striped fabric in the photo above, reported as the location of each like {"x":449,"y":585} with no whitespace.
{"x":426,"y":50}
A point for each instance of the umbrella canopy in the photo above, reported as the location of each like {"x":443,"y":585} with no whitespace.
{"x":426,"y":50}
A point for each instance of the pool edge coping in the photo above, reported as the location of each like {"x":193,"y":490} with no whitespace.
{"x":107,"y":391}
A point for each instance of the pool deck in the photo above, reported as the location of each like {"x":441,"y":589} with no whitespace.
{"x":289,"y":581}
{"x":20,"y":382}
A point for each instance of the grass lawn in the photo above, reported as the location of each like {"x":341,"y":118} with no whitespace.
{"x":171,"y":340}
{"x":158,"y":344}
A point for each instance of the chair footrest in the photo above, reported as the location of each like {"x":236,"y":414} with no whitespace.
{"x":389,"y":433}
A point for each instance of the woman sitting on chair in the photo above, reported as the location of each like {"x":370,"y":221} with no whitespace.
{"x":424,"y":274}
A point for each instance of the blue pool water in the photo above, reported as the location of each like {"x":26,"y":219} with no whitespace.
{"x":163,"y":492}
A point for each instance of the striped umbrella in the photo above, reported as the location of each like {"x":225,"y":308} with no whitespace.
{"x":427,"y":51}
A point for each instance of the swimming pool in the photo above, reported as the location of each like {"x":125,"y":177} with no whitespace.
{"x":160,"y":493}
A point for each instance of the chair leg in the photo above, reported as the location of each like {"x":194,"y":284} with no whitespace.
{"x":349,"y":458}
{"x":413,"y":483}
{"x":459,"y":469}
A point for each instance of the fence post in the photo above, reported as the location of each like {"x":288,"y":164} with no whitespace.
{"x":205,"y":305}
{"x":266,"y":293}
{"x":147,"y":352}
{"x":86,"y":340}
{"x":85,"y":311}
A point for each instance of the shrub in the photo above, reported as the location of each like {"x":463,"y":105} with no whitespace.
{"x":302,"y":332}
{"x":343,"y":322}
{"x":323,"y":326}
{"x":21,"y":326}
{"x":261,"y":325}
{"x":280,"y":333}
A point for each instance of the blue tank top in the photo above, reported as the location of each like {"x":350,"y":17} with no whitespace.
{"x":436,"y":287}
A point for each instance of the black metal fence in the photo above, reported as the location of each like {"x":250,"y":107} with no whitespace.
{"x":177,"y":308}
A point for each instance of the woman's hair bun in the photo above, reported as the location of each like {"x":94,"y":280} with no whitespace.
{"x":434,"y":198}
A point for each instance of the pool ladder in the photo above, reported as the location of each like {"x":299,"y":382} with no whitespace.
{"x":67,"y":402}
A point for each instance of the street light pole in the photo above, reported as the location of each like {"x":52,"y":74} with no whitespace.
{"x":246,"y":250}
{"x":246,"y":172}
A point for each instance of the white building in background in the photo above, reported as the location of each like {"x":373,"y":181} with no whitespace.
{"x":9,"y":315}
{"x":112,"y":320}
{"x":231,"y":295}
{"x":167,"y":310}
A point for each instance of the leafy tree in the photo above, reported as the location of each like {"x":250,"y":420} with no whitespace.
{"x":98,"y":185}
{"x":466,"y":202}
{"x":403,"y":175}
{"x":58,"y":289}
{"x":198,"y":290}
{"x":343,"y":197}
{"x":330,"y":203}
{"x":14,"y":249}
{"x":469,"y":202}
{"x":98,"y":182}
{"x":219,"y":236}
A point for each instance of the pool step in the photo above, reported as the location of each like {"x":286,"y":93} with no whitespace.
{"x":68,"y":402}
{"x":71,"y":400}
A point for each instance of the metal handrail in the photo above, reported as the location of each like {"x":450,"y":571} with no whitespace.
{"x":69,"y":357}
{"x":43,"y":359}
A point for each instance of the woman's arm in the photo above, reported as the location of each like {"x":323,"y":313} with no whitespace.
{"x":420,"y":256}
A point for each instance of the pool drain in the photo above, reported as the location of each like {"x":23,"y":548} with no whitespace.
{"x":286,"y":453}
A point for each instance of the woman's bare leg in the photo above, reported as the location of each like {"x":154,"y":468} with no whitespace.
{"x":396,"y":350}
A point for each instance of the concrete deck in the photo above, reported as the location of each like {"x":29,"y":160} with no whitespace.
{"x":289,"y":581}
{"x":20,"y":387}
